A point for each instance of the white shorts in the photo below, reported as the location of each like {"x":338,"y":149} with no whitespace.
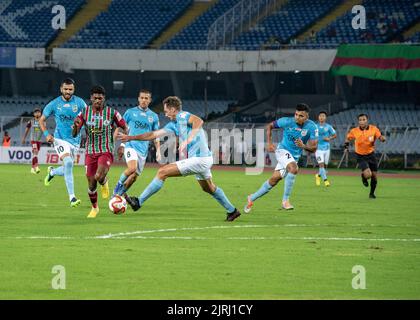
{"x":283,"y":157}
{"x":322,"y":156}
{"x":131,"y":154}
{"x":62,"y":147}
{"x":200,"y":166}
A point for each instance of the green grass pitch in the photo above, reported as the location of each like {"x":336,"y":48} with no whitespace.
{"x":178,"y":246}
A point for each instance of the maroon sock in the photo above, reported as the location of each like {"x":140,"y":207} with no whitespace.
{"x":34,"y":162}
{"x":93,"y":196}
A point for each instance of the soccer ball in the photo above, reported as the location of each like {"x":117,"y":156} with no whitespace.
{"x":117,"y":204}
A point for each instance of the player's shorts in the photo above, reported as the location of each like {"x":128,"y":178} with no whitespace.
{"x":62,"y":147}
{"x":283,"y":157}
{"x":200,"y":166}
{"x":322,"y":156}
{"x":367,"y":161}
{"x":36,"y":145}
{"x":92,"y":161}
{"x":131,"y":154}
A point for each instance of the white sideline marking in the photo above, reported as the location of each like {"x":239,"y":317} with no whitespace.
{"x":138,"y":234}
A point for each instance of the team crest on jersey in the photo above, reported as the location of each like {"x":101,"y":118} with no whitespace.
{"x":107,"y":122}
{"x":304,"y":132}
{"x":75,"y":108}
{"x":150,"y":119}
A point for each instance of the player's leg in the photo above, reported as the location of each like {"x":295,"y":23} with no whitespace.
{"x":265,"y":188}
{"x":320,"y":161}
{"x":323,"y":157}
{"x":93,"y":196}
{"x":278,"y":174}
{"x":218,"y":194}
{"x":373,"y":166}
{"x":167,"y":171}
{"x":35,"y":168}
{"x":130,"y":156}
{"x":292,"y":170}
{"x":364,"y":166}
{"x":104,"y":163}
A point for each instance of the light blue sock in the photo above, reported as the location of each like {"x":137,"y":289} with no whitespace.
{"x":288,"y":185}
{"x":151,"y":189}
{"x":68,"y":176}
{"x":220,"y":196}
{"x":266,"y":187}
{"x":57,"y":171}
{"x":119,"y":187}
{"x":323,"y":173}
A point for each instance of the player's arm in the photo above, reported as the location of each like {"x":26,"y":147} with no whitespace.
{"x":310,"y":146}
{"x":43,"y":124}
{"x":350,"y":137}
{"x":142,"y":137}
{"x":28,"y":127}
{"x":379,"y":135}
{"x":269,"y":132}
{"x":196,"y":124}
{"x":77,"y":125}
{"x":157,"y":146}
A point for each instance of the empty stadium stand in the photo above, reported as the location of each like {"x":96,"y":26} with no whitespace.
{"x":128,"y":24}
{"x":384,"y":20}
{"x":291,"y":19}
{"x":27,"y":23}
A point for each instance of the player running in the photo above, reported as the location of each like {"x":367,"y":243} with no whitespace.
{"x":99,"y":121}
{"x":64,"y":109}
{"x":34,"y":127}
{"x":326,"y":133}
{"x":198,"y":161}
{"x":140,"y":120}
{"x":365,"y":137}
{"x":299,"y":133}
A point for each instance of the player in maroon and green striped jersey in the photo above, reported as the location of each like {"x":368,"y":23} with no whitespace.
{"x":99,"y":121}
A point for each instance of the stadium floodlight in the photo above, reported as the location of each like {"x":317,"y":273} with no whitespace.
{"x":297,"y":71}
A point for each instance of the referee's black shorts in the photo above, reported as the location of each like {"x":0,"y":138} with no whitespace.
{"x":367,"y":161}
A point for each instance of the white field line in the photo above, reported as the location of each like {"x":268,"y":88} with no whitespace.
{"x":139,"y":234}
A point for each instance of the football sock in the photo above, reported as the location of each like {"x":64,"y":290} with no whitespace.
{"x":151,"y":189}
{"x":288,"y":185}
{"x":68,"y":175}
{"x":323,"y":173}
{"x":93,"y":196}
{"x":34,"y":162}
{"x":57,"y":171}
{"x":220,"y":196}
{"x":373,"y":184}
{"x":266,"y":187}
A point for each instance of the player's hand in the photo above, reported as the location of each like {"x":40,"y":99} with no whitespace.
{"x":22,"y":142}
{"x":270,"y":147}
{"x":123,"y":137}
{"x":382,"y":138}
{"x":299,"y":143}
{"x":183,"y":146}
{"x":346,"y":146}
{"x":326,"y":139}
{"x":158,"y":156}
{"x":49,"y":138}
{"x":78,"y":122}
{"x":120,"y":152}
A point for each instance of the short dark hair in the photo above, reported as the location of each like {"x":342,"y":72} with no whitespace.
{"x":324,"y":112}
{"x":363,"y":115}
{"x":97,"y":89}
{"x":145,"y":91}
{"x":67,"y":81}
{"x":173,"y":101}
{"x":303,"y":107}
{"x":37,"y":109}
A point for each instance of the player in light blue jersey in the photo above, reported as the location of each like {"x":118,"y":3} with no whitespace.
{"x":140,"y":120}
{"x":299,"y":133}
{"x":64,"y":108}
{"x":326,"y":134}
{"x":195,"y":156}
